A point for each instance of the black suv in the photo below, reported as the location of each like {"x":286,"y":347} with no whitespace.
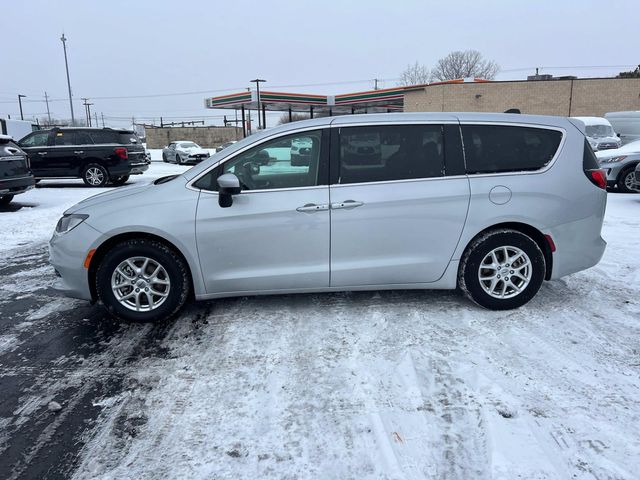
{"x":15,"y":176}
{"x":97,"y":155}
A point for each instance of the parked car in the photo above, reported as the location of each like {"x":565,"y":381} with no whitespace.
{"x":491,"y":203}
{"x":16,"y":128}
{"x":99,"y":156}
{"x":15,"y":176}
{"x":626,"y":125}
{"x":620,"y":165}
{"x":600,"y":133}
{"x":225,"y":145}
{"x":184,"y":152}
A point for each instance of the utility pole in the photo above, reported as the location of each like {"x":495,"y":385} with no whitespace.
{"x":375,"y":81}
{"x":46,"y":99}
{"x":20,"y":97}
{"x":86,"y":111}
{"x":95,"y":114}
{"x":102,"y":116}
{"x":257,"y":81}
{"x":63,"y":39}
{"x":89,"y":112}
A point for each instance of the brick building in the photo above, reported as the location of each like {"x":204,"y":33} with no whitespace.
{"x":570,"y":97}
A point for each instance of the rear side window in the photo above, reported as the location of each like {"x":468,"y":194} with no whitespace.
{"x":390,"y":152}
{"x":65,"y":138}
{"x":127,"y":138}
{"x":498,"y":148}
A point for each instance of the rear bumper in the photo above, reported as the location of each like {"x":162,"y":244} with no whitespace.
{"x":128,"y":169}
{"x":15,"y":186}
{"x":579,"y":246}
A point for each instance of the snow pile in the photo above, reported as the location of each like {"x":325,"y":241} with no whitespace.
{"x":402,"y":385}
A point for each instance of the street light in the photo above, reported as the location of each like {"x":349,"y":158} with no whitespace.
{"x":20,"y":97}
{"x":63,"y":39}
{"x":257,"y":82}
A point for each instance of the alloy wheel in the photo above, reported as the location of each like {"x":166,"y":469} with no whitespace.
{"x":94,"y":176}
{"x":140,"y":284}
{"x":505,"y":272}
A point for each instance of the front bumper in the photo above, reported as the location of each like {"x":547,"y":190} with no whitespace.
{"x":67,"y":253}
{"x":15,"y":186}
{"x":194,"y":159}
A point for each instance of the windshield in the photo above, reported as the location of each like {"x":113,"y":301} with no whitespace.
{"x":188,"y":145}
{"x":596,"y":131}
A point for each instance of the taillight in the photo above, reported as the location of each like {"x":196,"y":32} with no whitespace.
{"x":598,"y":177}
{"x":122,"y":153}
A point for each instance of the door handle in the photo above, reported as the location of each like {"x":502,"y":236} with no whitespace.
{"x":347,"y":204}
{"x":42,"y":153}
{"x":312,"y":207}
{"x":78,"y":151}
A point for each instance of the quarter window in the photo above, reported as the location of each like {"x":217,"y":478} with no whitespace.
{"x":499,"y":148}
{"x":286,"y":162}
{"x":391,"y":152}
{"x":103,"y":136}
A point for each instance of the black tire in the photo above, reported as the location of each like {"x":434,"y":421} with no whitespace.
{"x":6,"y":199}
{"x":164,"y":158}
{"x":178,"y":160}
{"x":95,"y":175}
{"x":483,"y":245}
{"x":175,"y":267}
{"x":117,"y":181}
{"x":622,"y":179}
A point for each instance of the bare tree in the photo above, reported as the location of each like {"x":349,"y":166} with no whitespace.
{"x":631,"y":74}
{"x":415,"y":74}
{"x":469,"y":63}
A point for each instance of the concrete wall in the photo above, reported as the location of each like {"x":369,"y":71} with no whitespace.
{"x":207,"y":137}
{"x":582,"y":97}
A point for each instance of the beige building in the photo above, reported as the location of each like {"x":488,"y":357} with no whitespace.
{"x":206,"y":137}
{"x":578,"y":97}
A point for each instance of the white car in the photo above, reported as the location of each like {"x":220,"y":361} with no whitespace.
{"x":600,"y":133}
{"x":184,"y":152}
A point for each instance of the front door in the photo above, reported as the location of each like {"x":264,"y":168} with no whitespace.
{"x":395,"y":217}
{"x":275,"y":235}
{"x":36,"y":147}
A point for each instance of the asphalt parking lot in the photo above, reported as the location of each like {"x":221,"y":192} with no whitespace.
{"x":373,"y":384}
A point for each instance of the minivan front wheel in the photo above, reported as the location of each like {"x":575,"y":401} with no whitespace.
{"x":142,"y":280}
{"x":502,"y":269}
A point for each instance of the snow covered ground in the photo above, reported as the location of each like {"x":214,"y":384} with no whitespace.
{"x":397,"y":385}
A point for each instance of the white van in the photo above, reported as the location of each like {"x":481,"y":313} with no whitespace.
{"x":16,"y":129}
{"x":626,"y":124}
{"x":600,"y":133}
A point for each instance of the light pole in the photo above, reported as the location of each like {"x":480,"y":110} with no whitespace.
{"x":63,"y":39}
{"x":20,"y":97}
{"x":257,"y":82}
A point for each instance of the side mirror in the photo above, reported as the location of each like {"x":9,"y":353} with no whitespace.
{"x":618,"y":135}
{"x":228,"y":185}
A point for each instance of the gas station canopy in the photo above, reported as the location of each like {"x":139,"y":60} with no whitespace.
{"x":375,"y":101}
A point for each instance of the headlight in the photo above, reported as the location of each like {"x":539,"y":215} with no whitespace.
{"x":614,"y":159}
{"x":69,"y":222}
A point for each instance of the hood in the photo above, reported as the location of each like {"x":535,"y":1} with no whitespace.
{"x":605,"y":139}
{"x":109,"y":196}
{"x":193,"y":150}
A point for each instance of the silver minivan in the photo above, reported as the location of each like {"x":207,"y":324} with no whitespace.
{"x":491,"y":203}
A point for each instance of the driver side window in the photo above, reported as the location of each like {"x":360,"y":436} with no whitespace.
{"x":285,"y":162}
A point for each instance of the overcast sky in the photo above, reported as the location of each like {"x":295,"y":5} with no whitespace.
{"x":124,"y":48}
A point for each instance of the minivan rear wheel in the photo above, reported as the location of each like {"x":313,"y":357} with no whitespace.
{"x":142,"y":280}
{"x":502,"y":269}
